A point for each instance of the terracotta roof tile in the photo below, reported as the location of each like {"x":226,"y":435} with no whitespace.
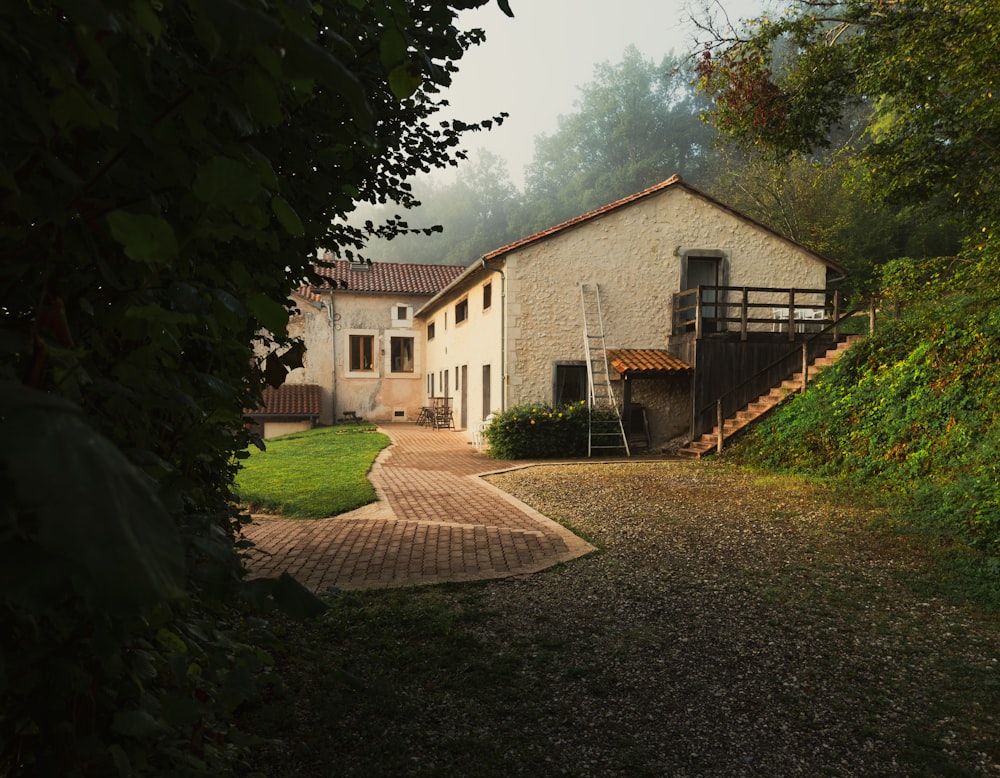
{"x":309,"y":294}
{"x":388,"y":277}
{"x":290,"y":400}
{"x":645,"y":361}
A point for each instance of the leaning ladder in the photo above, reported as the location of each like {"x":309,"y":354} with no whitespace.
{"x":604,"y":428}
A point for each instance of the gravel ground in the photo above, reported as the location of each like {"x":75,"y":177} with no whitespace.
{"x":729,"y":625}
{"x":745,"y":627}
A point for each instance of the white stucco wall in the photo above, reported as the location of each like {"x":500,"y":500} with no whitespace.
{"x":379,"y":394}
{"x":273,"y":429}
{"x":470,"y":344}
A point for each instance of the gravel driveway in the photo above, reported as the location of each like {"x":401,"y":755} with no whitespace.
{"x":729,"y":625}
{"x":743,"y":627}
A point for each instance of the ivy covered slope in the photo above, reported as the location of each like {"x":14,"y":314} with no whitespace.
{"x":913,"y":87}
{"x":167,"y":171}
{"x":913,"y":411}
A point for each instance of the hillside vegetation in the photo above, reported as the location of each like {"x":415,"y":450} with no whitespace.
{"x":912,"y":411}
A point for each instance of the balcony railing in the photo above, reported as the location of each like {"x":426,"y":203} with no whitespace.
{"x":749,"y":309}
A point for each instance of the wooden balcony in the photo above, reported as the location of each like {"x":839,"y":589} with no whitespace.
{"x":742,"y":311}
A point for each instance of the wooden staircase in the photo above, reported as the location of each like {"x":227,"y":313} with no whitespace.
{"x":763,"y":405}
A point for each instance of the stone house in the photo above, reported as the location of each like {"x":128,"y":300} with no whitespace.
{"x":687,"y":285}
{"x":364,"y":349}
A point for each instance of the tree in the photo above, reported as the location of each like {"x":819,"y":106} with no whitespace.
{"x":925,"y":72}
{"x":817,"y":202}
{"x":167,"y":171}
{"x":637,"y":123}
{"x":456,"y":222}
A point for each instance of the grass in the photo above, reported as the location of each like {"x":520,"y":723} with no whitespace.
{"x":312,"y":475}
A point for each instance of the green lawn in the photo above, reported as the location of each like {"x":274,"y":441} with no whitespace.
{"x":311,"y":475}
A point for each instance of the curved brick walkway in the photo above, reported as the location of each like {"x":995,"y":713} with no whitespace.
{"x":436,"y":520}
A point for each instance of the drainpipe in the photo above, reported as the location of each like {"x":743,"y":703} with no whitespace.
{"x":503,"y":333}
{"x":333,"y":366}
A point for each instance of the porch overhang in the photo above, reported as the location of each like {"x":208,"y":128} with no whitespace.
{"x":646,"y":363}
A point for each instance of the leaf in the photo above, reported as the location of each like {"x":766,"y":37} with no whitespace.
{"x":145,"y":238}
{"x":272,"y":315}
{"x":505,"y":7}
{"x":403,"y":82}
{"x":225,"y":181}
{"x":147,"y":19}
{"x":287,"y":217}
{"x":392,"y":48}
{"x":308,"y":58}
{"x":104,"y":519}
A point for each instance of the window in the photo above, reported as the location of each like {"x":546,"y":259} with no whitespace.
{"x":402,"y":312}
{"x":702,"y":267}
{"x":487,"y":296}
{"x":401,"y":351}
{"x":430,"y":331}
{"x":461,"y":311}
{"x":570,"y":383}
{"x":363,"y":352}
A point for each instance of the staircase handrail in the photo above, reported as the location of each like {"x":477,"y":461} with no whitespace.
{"x":833,"y":325}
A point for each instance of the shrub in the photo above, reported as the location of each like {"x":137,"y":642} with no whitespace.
{"x":539,"y":431}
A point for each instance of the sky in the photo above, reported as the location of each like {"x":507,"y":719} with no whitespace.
{"x":531,"y":66}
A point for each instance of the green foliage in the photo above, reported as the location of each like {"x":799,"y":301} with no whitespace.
{"x":309,"y":475}
{"x":914,"y":410}
{"x":539,"y":431}
{"x":167,"y":170}
{"x":924,"y":72}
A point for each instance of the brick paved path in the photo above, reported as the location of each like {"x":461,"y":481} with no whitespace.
{"x":435,"y":521}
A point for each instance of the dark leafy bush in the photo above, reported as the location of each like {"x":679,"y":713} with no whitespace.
{"x":167,"y":172}
{"x":539,"y":431}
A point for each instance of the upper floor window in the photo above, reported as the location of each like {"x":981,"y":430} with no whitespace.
{"x":461,"y":311}
{"x":430,"y":331}
{"x":487,"y":296}
{"x":362,"y":352}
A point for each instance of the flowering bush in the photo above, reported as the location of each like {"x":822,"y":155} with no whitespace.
{"x":539,"y":431}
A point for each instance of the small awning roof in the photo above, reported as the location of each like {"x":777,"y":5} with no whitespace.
{"x":645,"y":362}
{"x":290,"y":401}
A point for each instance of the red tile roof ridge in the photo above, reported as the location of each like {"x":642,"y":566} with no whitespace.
{"x":675,"y":179}
{"x":387,"y":277}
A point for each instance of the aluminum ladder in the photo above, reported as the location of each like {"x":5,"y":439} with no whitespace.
{"x":604,"y":424}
